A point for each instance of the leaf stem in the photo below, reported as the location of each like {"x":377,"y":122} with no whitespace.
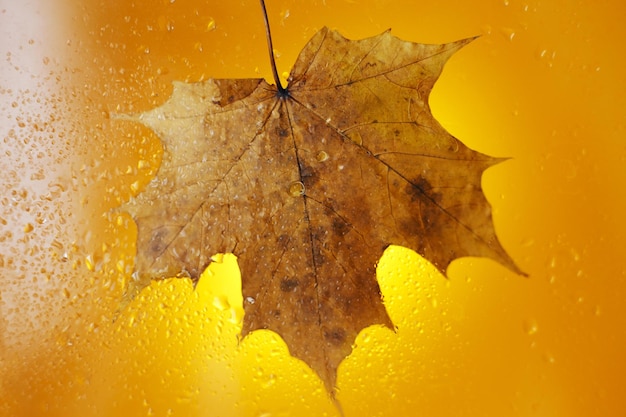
{"x":282,"y":91}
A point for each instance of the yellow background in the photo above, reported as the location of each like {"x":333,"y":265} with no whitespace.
{"x":544,"y":85}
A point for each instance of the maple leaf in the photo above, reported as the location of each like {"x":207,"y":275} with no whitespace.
{"x":309,"y":184}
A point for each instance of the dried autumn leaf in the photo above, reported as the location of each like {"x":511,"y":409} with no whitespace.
{"x":309,"y":185}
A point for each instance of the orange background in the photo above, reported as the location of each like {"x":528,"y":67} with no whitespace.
{"x":543,"y":85}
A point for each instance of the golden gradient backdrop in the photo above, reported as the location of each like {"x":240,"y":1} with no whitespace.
{"x":544,"y":85}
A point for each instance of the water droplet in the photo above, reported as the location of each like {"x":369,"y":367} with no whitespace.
{"x":269,"y":381}
{"x":296,"y":189}
{"x":143,"y":164}
{"x":210,"y":25}
{"x":143,"y":49}
{"x":221,"y":303}
{"x":165,"y":24}
{"x":530,"y":327}
{"x":552,"y":262}
{"x":508,"y":33}
{"x":236,"y":315}
{"x":357,"y":139}
{"x":135,"y":187}
{"x":541,"y":53}
{"x":89,"y":262}
{"x":321,"y":156}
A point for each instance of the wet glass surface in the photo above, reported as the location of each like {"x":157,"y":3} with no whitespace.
{"x":543,"y":85}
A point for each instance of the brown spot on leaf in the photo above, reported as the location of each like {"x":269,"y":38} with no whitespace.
{"x":158,"y":243}
{"x":283,"y":241}
{"x":289,"y":284}
{"x":335,"y":336}
{"x":418,"y":189}
{"x":340,"y":227}
{"x":281,"y":132}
